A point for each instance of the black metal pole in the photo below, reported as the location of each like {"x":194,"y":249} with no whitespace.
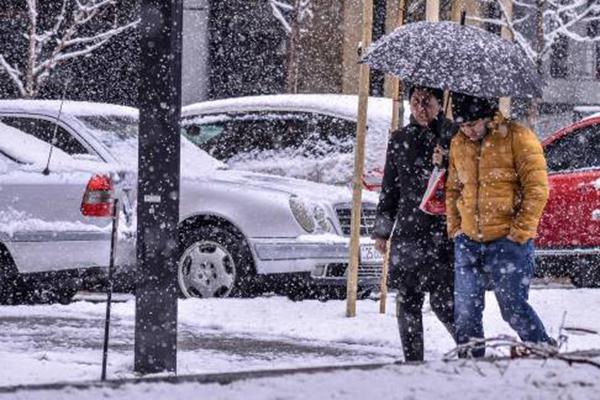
{"x":111,"y":265}
{"x":377,"y":81}
{"x":158,"y":186}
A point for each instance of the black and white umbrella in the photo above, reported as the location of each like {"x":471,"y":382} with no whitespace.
{"x":454,"y":57}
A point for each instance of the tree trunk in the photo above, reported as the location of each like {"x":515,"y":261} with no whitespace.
{"x":31,"y":54}
{"x":533,"y":112}
{"x":432,"y":10}
{"x":292,"y":64}
{"x":505,"y":102}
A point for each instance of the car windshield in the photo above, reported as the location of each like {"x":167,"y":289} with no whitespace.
{"x":119,"y":133}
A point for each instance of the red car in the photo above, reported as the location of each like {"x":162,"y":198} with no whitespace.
{"x":568,"y":240}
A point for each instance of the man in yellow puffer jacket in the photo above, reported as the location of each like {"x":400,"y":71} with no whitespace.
{"x":496,"y":190}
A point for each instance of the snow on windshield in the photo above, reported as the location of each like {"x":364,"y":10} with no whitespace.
{"x":296,"y":143}
{"x":119,"y":133}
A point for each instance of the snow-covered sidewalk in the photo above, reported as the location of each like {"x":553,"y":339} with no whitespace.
{"x":43,"y":344}
{"x":460,"y":380}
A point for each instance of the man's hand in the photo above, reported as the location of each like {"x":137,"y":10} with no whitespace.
{"x":438,"y":155}
{"x":381,"y":245}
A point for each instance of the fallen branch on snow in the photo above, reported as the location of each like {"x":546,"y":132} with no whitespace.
{"x":534,"y":350}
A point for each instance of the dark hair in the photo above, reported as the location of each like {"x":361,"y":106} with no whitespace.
{"x":437,"y":93}
{"x":467,"y":108}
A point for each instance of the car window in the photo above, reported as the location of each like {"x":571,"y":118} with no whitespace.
{"x":309,"y":134}
{"x":226,"y":137}
{"x":200,"y":134}
{"x":119,"y":134}
{"x":337,"y":132}
{"x":45,"y":131}
{"x":577,"y":150}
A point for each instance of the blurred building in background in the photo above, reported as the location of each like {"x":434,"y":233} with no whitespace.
{"x":248,"y":47}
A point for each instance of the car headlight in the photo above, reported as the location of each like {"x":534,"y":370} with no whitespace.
{"x":302,"y":214}
{"x":323,"y":223}
{"x":311,"y":217}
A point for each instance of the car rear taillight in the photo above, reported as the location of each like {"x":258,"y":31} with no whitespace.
{"x":98,"y":198}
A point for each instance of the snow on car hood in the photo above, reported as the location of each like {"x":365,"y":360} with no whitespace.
{"x":305,"y":189}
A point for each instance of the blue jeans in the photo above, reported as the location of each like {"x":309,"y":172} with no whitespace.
{"x":508,"y":267}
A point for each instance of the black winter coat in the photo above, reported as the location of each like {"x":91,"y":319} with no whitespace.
{"x":421,"y":254}
{"x":408,"y":166}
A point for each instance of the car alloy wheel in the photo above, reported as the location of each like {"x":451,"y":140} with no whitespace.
{"x":206,"y":269}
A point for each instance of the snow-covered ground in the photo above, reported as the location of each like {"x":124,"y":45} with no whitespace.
{"x":42,"y":344}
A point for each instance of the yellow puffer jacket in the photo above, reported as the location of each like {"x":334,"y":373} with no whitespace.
{"x":497,"y":186}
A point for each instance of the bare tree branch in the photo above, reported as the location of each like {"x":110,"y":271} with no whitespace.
{"x":97,"y":41}
{"x":61,"y":42}
{"x":533,"y":350}
{"x":13,"y":73}
{"x":303,"y":11}
{"x":560,"y":18}
{"x":524,"y":5}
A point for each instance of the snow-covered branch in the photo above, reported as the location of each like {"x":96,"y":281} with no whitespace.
{"x":559,"y":19}
{"x":92,"y":42}
{"x":299,"y":10}
{"x":13,"y":73}
{"x":59,"y":42}
{"x":504,"y":343}
{"x":523,"y":42}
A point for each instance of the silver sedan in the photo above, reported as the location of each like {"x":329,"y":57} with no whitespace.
{"x":241,"y":232}
{"x":44,"y":238}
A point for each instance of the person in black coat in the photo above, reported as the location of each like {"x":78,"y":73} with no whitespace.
{"x":420,"y":255}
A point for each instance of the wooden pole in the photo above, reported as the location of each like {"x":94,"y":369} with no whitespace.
{"x":457,"y":9}
{"x":359,"y":160}
{"x":432,"y":10}
{"x":533,"y":111}
{"x":505,"y":102}
{"x":397,"y":112}
{"x":292,"y":64}
{"x":456,"y":14}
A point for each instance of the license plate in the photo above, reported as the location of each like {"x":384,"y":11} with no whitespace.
{"x":369,"y":255}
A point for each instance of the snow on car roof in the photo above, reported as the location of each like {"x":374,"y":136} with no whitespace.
{"x":336,"y":104}
{"x":51,"y":107}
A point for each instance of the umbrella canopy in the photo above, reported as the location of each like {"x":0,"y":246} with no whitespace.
{"x":459,"y":58}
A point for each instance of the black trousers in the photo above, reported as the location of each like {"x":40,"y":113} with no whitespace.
{"x":418,"y":267}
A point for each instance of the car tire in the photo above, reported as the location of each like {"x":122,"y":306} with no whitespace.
{"x":585,"y":274}
{"x":52,"y":287}
{"x":214,"y":262}
{"x":47,"y":293}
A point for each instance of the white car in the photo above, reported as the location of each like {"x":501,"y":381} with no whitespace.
{"x":45,"y":241}
{"x":240,"y":231}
